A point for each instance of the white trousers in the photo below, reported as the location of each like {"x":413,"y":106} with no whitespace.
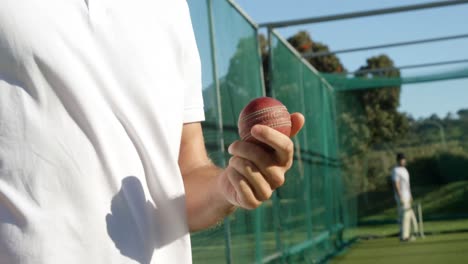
{"x":407,"y":215}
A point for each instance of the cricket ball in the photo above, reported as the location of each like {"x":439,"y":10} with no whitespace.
{"x":264,"y":111}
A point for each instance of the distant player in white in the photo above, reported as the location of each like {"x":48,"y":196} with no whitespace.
{"x":403,"y":197}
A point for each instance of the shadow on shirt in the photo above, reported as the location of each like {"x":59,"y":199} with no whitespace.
{"x":137,"y":227}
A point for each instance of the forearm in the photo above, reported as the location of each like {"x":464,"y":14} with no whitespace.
{"x":205,"y":204}
{"x":397,"y":187}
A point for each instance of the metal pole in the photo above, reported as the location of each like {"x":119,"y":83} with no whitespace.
{"x":420,"y":216}
{"x":307,"y":178}
{"x":390,"y":45}
{"x":227,"y":222}
{"x":276,"y":203}
{"x":413,"y":66}
{"x":215,"y":74}
{"x":375,"y":12}
{"x":242,"y":13}
{"x":258,"y":216}
{"x":269,"y":82}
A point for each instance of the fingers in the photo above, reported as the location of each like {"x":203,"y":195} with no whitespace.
{"x":260,"y":186}
{"x":255,"y":172}
{"x":244,"y":195}
{"x":263,"y":161}
{"x":297,"y":121}
{"x":283,"y":146}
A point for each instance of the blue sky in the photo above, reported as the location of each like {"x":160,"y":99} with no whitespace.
{"x":420,"y":100}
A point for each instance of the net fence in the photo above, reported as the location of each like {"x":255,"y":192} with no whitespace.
{"x":343,"y":155}
{"x":305,"y":219}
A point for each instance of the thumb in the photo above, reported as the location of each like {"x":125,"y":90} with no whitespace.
{"x":297,"y":122}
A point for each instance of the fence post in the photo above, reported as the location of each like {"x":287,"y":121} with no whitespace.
{"x":227,"y":222}
{"x":420,"y":216}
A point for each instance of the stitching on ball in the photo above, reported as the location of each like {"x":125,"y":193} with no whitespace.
{"x":261,"y":111}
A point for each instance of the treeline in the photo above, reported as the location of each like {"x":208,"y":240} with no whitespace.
{"x":372,"y":129}
{"x":374,"y":110}
{"x":434,"y":129}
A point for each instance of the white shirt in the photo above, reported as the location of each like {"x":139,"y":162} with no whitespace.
{"x":400,"y":174}
{"x":93,"y":96}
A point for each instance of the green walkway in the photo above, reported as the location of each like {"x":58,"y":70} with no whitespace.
{"x":442,"y":248}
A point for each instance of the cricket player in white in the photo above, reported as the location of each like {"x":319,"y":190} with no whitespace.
{"x":403,"y":197}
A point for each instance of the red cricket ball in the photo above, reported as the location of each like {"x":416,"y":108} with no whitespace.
{"x":265,"y":111}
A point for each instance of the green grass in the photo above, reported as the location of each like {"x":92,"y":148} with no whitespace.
{"x":442,"y":248}
{"x":437,"y":201}
{"x":208,"y":247}
{"x":430,"y":227}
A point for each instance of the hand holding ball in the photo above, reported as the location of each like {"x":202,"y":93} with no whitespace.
{"x":264,"y":111}
{"x":256,"y":170}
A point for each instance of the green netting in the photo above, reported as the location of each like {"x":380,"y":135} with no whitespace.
{"x":232,"y":77}
{"x":313,"y":201}
{"x":239,"y":73}
{"x":341,"y":171}
{"x":209,"y":246}
{"x":304,"y":220}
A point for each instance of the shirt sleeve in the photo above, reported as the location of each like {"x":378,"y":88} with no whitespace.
{"x":193,"y":97}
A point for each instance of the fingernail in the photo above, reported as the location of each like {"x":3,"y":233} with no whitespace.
{"x":230,"y":149}
{"x":256,"y":129}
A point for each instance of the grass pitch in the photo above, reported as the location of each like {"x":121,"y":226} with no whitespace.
{"x":439,"y":248}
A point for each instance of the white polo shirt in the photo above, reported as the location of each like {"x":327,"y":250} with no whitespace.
{"x":93,"y":96}
{"x":400,"y":174}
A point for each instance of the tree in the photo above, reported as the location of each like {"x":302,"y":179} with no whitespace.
{"x":463,"y":124}
{"x":354,"y":134}
{"x":303,"y":43}
{"x":384,"y":121}
{"x":449,"y":117}
{"x":463,"y":113}
{"x":435,"y":118}
{"x":263,"y":42}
